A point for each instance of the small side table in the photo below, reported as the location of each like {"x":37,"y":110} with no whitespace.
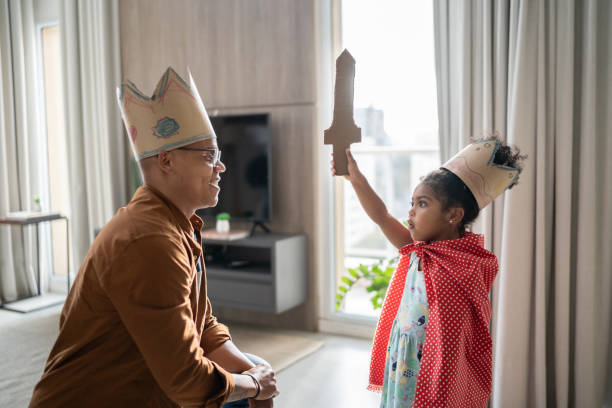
{"x":23,"y":218}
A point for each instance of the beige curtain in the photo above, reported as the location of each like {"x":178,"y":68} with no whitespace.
{"x":95,"y":140}
{"x":96,"y":144}
{"x":540,"y":73}
{"x":20,"y":178}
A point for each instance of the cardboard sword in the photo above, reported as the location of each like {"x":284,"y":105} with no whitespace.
{"x":343,"y":130}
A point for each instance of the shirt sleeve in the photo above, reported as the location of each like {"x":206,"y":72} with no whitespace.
{"x":149,"y":285}
{"x":214,"y":333}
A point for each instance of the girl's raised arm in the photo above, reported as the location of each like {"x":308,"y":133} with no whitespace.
{"x":376,"y":209}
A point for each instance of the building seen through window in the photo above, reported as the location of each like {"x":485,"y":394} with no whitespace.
{"x":396,"y":108}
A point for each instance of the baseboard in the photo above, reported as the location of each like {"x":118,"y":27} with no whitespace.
{"x":35,"y":303}
{"x":359,"y":330}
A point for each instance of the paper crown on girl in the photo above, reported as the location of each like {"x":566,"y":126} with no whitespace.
{"x":174,"y":116}
{"x":485,"y":179}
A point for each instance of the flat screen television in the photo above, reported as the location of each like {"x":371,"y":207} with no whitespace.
{"x":244,"y":141}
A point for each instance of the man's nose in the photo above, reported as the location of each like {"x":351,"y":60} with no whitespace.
{"x":220,"y":167}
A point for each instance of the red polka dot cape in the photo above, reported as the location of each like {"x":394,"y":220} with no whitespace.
{"x":456,"y":366}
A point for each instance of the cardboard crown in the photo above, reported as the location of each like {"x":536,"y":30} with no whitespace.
{"x":174,"y":116}
{"x":485,"y":179}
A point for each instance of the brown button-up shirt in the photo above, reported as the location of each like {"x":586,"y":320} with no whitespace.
{"x":134,"y":331}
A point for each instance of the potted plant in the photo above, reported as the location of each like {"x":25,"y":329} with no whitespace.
{"x":377,"y":275}
{"x":223,"y":225}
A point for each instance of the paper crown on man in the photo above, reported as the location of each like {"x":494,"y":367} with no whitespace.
{"x":174,"y":116}
{"x":485,"y":179}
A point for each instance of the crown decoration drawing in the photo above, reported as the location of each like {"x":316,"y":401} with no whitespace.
{"x":485,"y":179}
{"x":174,"y":116}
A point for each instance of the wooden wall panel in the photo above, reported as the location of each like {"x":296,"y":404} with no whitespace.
{"x":246,"y":56}
{"x":242,"y":53}
{"x":292,"y":130}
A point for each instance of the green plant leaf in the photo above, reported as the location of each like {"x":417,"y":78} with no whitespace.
{"x":374,"y":303}
{"x":347,"y":281}
{"x":377,"y":276}
{"x":378,"y":283}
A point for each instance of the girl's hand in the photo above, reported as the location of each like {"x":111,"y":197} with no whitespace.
{"x":353,"y":169}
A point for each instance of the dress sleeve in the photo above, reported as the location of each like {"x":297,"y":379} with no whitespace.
{"x":149,"y":286}
{"x":214,"y":333}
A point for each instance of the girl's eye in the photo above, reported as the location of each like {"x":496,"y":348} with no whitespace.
{"x":422,"y":203}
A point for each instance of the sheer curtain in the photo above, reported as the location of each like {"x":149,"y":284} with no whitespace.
{"x":538,"y":72}
{"x":96,"y":144}
{"x":19,"y":150}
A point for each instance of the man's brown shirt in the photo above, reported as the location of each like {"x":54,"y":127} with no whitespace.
{"x":134,"y":331}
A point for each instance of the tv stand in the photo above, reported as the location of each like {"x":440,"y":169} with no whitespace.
{"x":254,"y":226}
{"x":265,"y":272}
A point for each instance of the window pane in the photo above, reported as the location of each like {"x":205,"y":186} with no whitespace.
{"x":396,"y":108}
{"x":392,"y":42}
{"x":56,"y":142}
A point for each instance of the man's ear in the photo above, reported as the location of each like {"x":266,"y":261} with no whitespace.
{"x":455,"y":215}
{"x":165,"y":161}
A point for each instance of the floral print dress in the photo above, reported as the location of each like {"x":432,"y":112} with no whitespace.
{"x":406,"y":342}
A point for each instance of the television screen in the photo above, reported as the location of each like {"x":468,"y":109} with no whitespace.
{"x":244,"y":141}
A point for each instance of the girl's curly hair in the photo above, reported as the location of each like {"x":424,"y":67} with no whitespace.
{"x":453,"y":192}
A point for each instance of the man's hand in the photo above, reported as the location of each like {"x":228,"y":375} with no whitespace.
{"x":269,"y":403}
{"x":267,"y":381}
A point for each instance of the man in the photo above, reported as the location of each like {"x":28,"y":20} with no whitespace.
{"x":136,"y":329}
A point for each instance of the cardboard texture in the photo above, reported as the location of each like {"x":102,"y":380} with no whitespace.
{"x":485,"y":179}
{"x":343,"y":130}
{"x":174,"y":116}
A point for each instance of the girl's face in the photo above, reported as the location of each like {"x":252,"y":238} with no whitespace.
{"x":428,"y":220}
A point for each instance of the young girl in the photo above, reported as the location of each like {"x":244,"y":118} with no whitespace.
{"x":432,"y":346}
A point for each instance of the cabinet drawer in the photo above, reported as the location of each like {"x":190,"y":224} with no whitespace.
{"x":249,"y":295}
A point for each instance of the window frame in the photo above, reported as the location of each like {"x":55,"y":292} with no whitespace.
{"x":56,"y":282}
{"x":330,"y":190}
{"x":330,"y":320}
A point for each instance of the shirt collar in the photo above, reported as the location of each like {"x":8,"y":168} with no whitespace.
{"x":194,"y":223}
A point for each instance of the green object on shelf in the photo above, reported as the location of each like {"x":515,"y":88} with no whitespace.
{"x":223,"y":216}
{"x":37,"y":206}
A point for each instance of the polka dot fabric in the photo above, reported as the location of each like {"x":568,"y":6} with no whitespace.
{"x":456,"y":367}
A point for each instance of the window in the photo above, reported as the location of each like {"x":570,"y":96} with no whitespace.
{"x":396,"y":108}
{"x":55,"y":191}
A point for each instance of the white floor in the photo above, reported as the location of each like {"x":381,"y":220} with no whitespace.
{"x":334,"y":376}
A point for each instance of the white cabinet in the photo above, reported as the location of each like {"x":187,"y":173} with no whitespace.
{"x":265,"y":272}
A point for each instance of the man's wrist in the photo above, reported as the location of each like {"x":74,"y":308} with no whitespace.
{"x":257,"y":385}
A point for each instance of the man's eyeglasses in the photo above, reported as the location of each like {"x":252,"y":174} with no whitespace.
{"x":213,"y":158}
